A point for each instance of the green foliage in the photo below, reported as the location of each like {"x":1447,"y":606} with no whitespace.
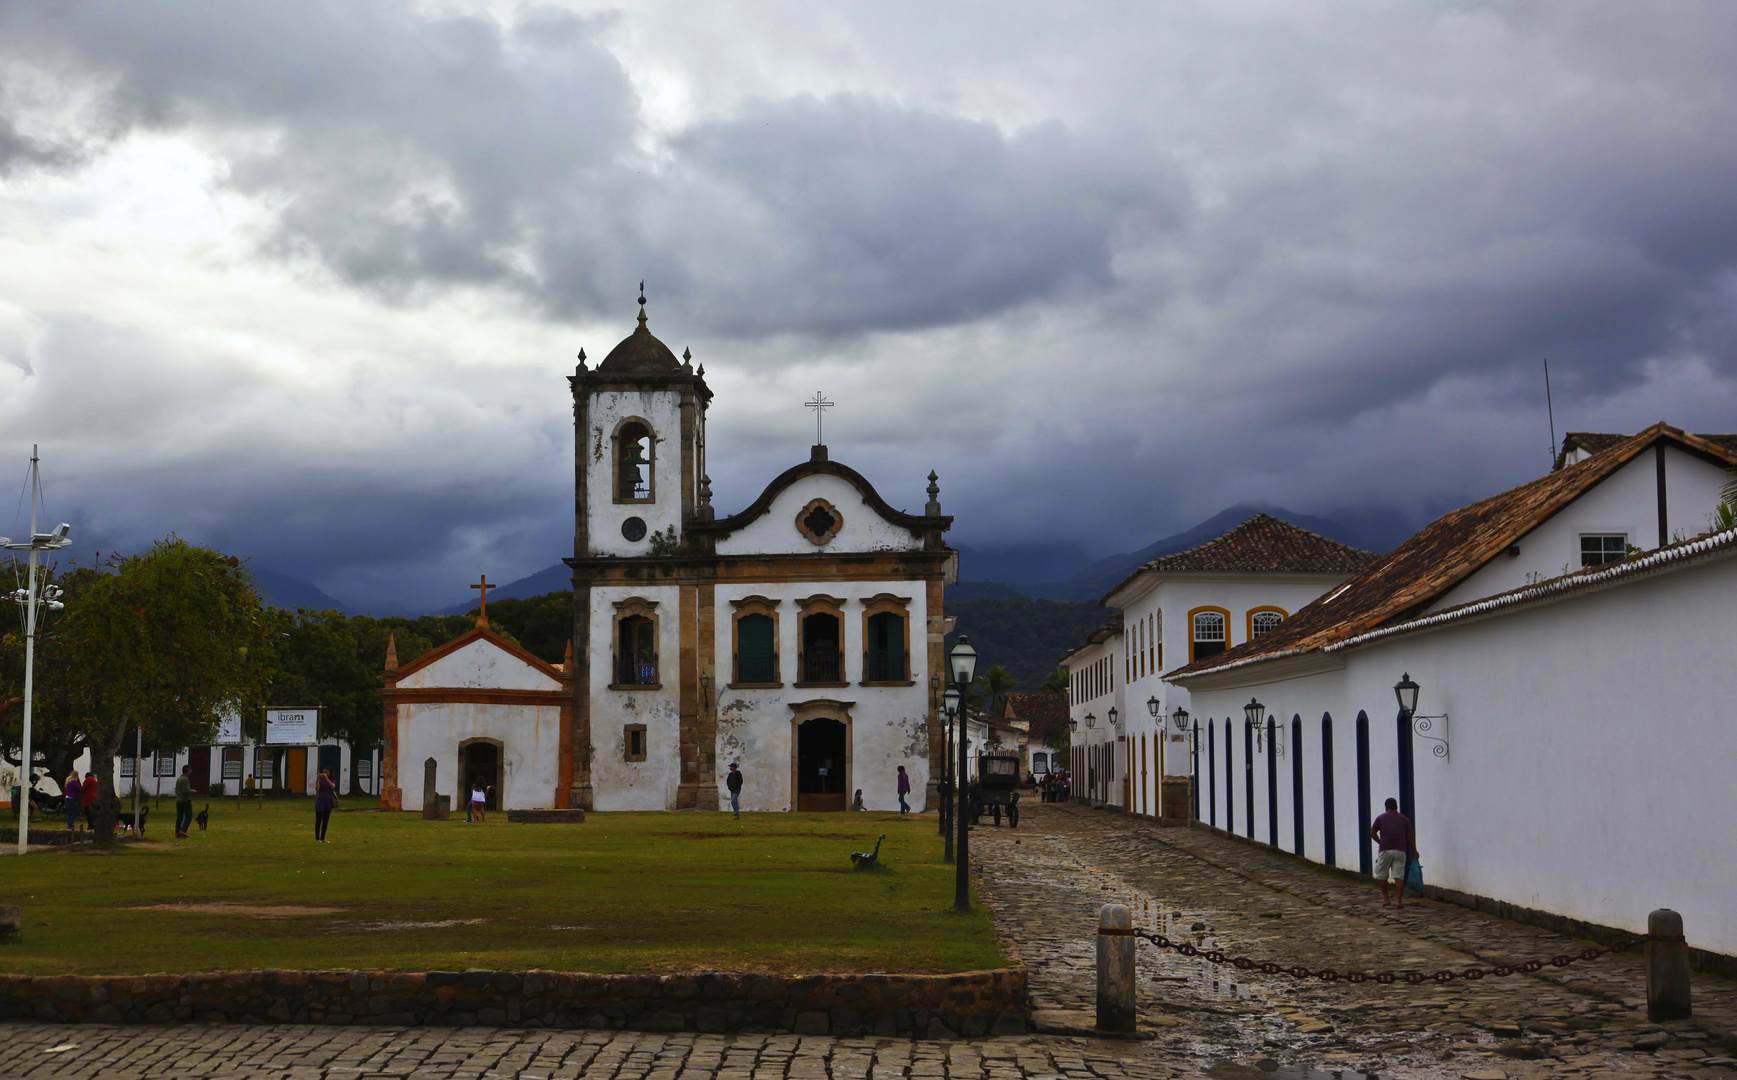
{"x":667,"y":542}
{"x":1025,"y":636}
{"x":997,"y":682}
{"x":170,"y":640}
{"x":1056,"y":682}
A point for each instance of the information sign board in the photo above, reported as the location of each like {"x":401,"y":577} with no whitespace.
{"x":229,"y":729}
{"x":292,"y":727}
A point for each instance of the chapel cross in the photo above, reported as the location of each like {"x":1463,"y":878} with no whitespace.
{"x":819,"y":405}
{"x":482,"y":613}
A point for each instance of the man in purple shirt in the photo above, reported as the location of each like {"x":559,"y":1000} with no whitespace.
{"x":1392,"y":832}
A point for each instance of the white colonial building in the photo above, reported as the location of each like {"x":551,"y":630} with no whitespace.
{"x":1097,"y":752}
{"x":1233,"y":589}
{"x":795,"y":638}
{"x":1570,"y":644}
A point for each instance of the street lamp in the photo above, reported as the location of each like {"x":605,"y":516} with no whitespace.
{"x":1115,"y":724}
{"x":1091,"y":720}
{"x":1422,"y":726}
{"x":962,"y":662}
{"x":946,"y":752}
{"x":33,"y":603}
{"x":1154,"y":706}
{"x":1179,"y":720}
{"x":950,"y":703}
{"x":1253,"y":713}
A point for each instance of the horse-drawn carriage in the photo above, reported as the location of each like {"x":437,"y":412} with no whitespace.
{"x":995,"y":788}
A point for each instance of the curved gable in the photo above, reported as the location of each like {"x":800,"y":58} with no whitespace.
{"x":770,"y":523}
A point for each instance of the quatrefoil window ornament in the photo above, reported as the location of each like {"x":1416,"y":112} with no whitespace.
{"x":819,"y":521}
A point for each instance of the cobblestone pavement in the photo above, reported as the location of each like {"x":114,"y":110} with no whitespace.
{"x":1046,"y":881}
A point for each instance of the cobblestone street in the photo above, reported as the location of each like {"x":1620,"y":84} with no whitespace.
{"x":1046,"y":881}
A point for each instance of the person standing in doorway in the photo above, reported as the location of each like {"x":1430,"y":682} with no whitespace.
{"x":183,"y":802}
{"x":479,"y":796}
{"x":734,"y":783}
{"x":72,"y":791}
{"x":904,"y":791}
{"x":325,"y":801}
{"x":89,"y":799}
{"x":1392,"y":832}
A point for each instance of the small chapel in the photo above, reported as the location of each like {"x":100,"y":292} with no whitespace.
{"x":799,"y":638}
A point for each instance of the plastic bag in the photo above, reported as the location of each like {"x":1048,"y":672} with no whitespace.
{"x":1414,"y":876}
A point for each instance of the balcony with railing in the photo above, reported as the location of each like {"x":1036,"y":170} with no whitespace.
{"x":822,"y":667}
{"x":637,"y":671}
{"x":757,"y":669}
{"x":884,"y":667}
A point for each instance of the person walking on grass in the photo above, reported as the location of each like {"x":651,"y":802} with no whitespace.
{"x":325,"y":801}
{"x":904,"y":791}
{"x":479,"y":796}
{"x":73,"y":792}
{"x":88,"y":799}
{"x":184,"y":802}
{"x":734,"y":783}
{"x":1393,"y":833}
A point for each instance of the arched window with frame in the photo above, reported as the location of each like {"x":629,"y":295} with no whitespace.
{"x":635,"y":644}
{"x":635,"y":462}
{"x":886,"y":639}
{"x":1209,"y":632}
{"x":1263,"y":621}
{"x":755,"y":631}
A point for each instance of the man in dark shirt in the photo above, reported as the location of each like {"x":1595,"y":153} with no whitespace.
{"x":734,"y":783}
{"x":1392,"y":832}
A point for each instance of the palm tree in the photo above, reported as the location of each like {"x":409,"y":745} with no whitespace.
{"x":1056,"y":683}
{"x":998,"y":682}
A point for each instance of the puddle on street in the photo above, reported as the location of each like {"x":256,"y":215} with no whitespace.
{"x":1236,"y":1070}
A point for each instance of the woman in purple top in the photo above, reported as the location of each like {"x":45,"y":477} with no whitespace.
{"x":904,"y":790}
{"x":325,"y":800}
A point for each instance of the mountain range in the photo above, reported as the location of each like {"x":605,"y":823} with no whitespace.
{"x":1059,"y":571}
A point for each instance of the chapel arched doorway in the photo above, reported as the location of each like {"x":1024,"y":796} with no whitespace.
{"x":820,"y":765}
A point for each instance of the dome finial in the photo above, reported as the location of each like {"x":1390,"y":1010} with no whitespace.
{"x":642,"y":304}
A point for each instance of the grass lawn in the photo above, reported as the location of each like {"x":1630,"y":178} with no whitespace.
{"x":649,"y":892}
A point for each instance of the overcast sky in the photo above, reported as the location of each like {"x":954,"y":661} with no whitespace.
{"x":302,"y":281}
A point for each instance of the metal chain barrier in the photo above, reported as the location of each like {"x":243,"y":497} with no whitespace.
{"x":1470,"y":974}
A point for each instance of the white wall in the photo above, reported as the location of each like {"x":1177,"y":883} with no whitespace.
{"x":1590,"y":764}
{"x":619,"y":784}
{"x":775,"y":532}
{"x":1095,"y":694}
{"x":530,"y":736}
{"x":1625,"y":502}
{"x":661,"y":410}
{"x":480,"y":665}
{"x":889,"y":724}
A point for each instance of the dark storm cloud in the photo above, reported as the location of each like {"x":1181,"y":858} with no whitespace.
{"x":1310,"y":255}
{"x":407,"y":151}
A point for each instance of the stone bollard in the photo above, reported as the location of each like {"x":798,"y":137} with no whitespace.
{"x":1115,"y":969}
{"x":1667,"y":967}
{"x":10,"y":919}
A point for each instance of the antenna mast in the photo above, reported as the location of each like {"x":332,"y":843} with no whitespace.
{"x":1550,"y":408}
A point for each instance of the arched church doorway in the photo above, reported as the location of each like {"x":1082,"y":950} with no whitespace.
{"x":820,"y":765}
{"x":480,"y":758}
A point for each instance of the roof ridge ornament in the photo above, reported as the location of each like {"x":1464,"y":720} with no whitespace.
{"x":642,"y":305}
{"x":581,"y":358}
{"x":934,"y":507}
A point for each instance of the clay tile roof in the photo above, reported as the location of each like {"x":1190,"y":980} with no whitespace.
{"x":1261,"y":545}
{"x":1407,"y":579}
{"x":1596,"y":442}
{"x":1037,"y":708}
{"x":640,"y":353}
{"x":1266,"y":545}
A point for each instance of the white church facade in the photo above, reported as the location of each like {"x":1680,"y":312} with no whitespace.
{"x":795,"y":639}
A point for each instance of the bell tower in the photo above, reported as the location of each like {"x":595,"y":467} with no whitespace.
{"x":639,"y":424}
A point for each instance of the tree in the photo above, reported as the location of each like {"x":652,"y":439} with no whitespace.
{"x":320,"y":658}
{"x":1056,"y":682}
{"x":169,"y":640}
{"x":998,"y":682}
{"x":57,"y":735}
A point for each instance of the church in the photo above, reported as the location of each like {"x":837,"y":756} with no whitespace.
{"x":796,"y":638}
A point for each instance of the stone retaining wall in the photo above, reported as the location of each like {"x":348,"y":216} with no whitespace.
{"x":922,"y":1006}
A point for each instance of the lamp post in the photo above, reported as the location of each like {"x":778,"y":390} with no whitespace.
{"x":946,"y":753}
{"x":950,"y":702}
{"x":33,"y":602}
{"x":962,"y":661}
{"x":1253,"y":713}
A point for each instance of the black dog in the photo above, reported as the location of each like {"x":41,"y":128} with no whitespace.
{"x":203,"y":817}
